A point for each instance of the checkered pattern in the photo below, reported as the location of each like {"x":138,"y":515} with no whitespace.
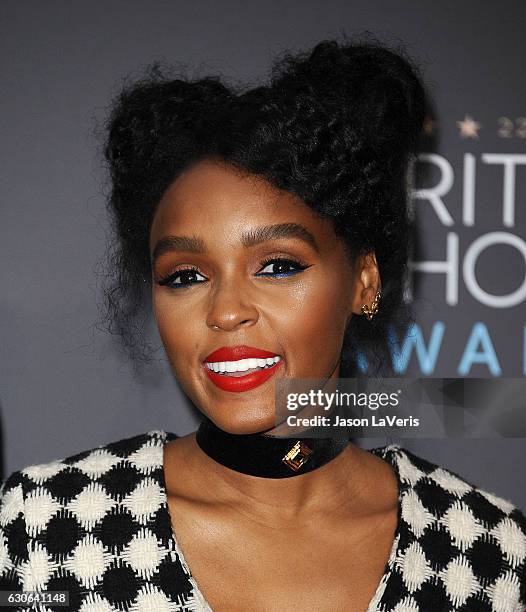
{"x":457,"y":547}
{"x":97,"y":525}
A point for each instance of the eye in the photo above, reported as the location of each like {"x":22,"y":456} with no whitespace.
{"x":182,"y":278}
{"x":282,"y":267}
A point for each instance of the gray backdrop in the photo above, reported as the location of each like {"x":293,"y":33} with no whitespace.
{"x":64,"y":387}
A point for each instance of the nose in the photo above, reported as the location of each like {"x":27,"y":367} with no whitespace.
{"x":230,"y":308}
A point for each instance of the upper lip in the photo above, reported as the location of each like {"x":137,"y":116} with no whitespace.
{"x":234,"y":353}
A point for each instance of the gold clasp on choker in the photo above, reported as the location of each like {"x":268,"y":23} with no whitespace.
{"x":297,"y":456}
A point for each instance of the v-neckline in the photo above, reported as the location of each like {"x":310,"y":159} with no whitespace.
{"x":389,"y":453}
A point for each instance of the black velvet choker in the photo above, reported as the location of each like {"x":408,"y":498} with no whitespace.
{"x":266,"y":456}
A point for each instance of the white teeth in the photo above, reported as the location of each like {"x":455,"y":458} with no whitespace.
{"x":242,"y":365}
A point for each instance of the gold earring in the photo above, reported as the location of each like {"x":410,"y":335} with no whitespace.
{"x":370,"y":312}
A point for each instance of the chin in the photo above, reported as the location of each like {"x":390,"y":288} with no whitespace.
{"x":240,"y":424}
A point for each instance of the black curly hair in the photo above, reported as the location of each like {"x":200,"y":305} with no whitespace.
{"x":337,"y":125}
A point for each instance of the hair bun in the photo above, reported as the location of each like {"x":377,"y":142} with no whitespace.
{"x":145,"y":116}
{"x":371,"y":88}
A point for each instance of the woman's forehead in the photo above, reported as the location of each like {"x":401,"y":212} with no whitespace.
{"x":210,"y":182}
{"x":214,"y":195}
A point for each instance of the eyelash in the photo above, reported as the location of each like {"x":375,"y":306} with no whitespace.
{"x":168,"y":280}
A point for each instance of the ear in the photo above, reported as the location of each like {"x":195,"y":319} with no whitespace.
{"x":367,"y":282}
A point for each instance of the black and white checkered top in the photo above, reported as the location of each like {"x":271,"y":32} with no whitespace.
{"x":97,"y":525}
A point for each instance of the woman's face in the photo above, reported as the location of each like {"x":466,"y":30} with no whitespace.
{"x":246,"y":275}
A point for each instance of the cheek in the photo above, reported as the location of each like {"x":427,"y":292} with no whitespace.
{"x":177,"y":328}
{"x":313,"y":315}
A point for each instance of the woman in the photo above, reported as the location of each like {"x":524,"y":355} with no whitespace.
{"x":269,"y":227}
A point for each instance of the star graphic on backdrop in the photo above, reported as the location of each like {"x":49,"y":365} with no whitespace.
{"x":429,"y":126}
{"x":469,"y":127}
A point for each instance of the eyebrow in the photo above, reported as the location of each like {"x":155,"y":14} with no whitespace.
{"x":253,"y":237}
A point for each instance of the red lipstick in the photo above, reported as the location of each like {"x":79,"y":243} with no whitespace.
{"x":234,"y":353}
{"x":238,"y":383}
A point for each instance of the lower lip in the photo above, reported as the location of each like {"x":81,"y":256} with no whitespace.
{"x":242,"y":383}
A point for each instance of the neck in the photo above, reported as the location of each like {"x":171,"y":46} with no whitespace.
{"x":337,"y":482}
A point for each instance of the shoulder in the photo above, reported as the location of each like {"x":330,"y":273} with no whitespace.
{"x":30,"y":495}
{"x":472,"y":539}
{"x":95,"y":524}
{"x":437,"y":488}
